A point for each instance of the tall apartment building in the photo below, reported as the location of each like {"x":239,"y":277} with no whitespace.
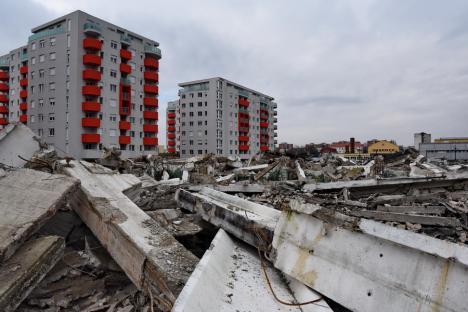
{"x":172,"y":143}
{"x":224,"y":118}
{"x":82,"y":83}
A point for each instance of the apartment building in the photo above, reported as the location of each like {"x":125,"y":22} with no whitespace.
{"x":224,"y":118}
{"x":172,"y":137}
{"x":81,"y":84}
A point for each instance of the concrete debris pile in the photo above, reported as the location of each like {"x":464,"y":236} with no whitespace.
{"x":208,"y":233}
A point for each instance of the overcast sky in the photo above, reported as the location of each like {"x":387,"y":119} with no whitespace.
{"x":337,"y":69}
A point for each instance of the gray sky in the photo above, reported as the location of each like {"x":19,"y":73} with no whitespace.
{"x":368,"y":69}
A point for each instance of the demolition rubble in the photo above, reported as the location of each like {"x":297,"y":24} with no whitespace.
{"x":273,"y":233}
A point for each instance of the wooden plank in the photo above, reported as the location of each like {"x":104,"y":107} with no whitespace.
{"x":28,"y":198}
{"x":401,"y":217}
{"x":26,"y":268}
{"x":413,"y":209}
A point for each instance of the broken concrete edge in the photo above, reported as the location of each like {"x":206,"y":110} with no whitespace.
{"x":16,"y":139}
{"x":26,"y":269}
{"x":424,"y":243}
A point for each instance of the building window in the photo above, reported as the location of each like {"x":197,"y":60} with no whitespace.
{"x":41,"y":43}
{"x":113,"y":45}
{"x":52,"y":71}
{"x":33,"y":46}
{"x":51,"y":132}
{"x":52,"y":56}
{"x":113,"y":73}
{"x":113,"y":103}
{"x":40,"y":132}
{"x":112,"y":132}
{"x":41,"y":73}
{"x":41,"y":102}
{"x":68,"y":41}
{"x":52,"y":86}
{"x":113,"y":117}
{"x":113,"y":59}
{"x":52,"y":101}
{"x":113,"y":88}
{"x":33,"y":60}
{"x":41,"y":58}
{"x":52,"y":41}
{"x":52,"y":117}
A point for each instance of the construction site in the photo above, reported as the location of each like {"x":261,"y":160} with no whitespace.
{"x":210,"y":233}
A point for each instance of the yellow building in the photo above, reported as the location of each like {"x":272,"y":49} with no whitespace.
{"x":383,"y":147}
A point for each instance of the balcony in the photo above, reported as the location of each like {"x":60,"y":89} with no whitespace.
{"x":124,"y":139}
{"x":90,"y":122}
{"x":171,"y":122}
{"x":171,"y":150}
{"x":150,"y":141}
{"x":4,"y":110}
{"x":92,"y":44}
{"x":125,"y":39}
{"x":23,"y":82}
{"x":4,"y":87}
{"x":23,"y":106}
{"x":23,"y":70}
{"x":23,"y":118}
{"x":171,"y":115}
{"x":171,"y":129}
{"x":151,"y":62}
{"x":91,"y":90}
{"x":90,"y":107}
{"x":150,"y":128}
{"x":3,"y":98}
{"x":124,"y":111}
{"x":3,"y":121}
{"x":263,"y":124}
{"x":4,"y":75}
{"x":243,"y":102}
{"x":92,"y":59}
{"x":125,"y":68}
{"x":264,"y":148}
{"x":124,"y":125}
{"x":151,"y":76}
{"x":243,"y":138}
{"x":150,"y":115}
{"x":91,"y":74}
{"x":171,"y":135}
{"x":155,"y":51}
{"x":125,"y":54}
{"x":171,"y":143}
{"x":150,"y":101}
{"x":90,"y":138}
{"x":23,"y":94}
{"x":243,"y":148}
{"x":92,"y":28}
{"x":150,"y":89}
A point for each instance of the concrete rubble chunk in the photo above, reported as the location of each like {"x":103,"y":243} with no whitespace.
{"x":29,"y":198}
{"x":148,"y":254}
{"x":26,"y":268}
{"x":16,"y":139}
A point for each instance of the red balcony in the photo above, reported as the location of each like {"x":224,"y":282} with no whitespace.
{"x":171,"y":115}
{"x":124,"y":139}
{"x":124,"y":125}
{"x":171,"y":136}
{"x":150,"y":141}
{"x":151,"y":76}
{"x":23,"y":94}
{"x":24,"y":82}
{"x":91,"y":74}
{"x":90,"y":107}
{"x":150,"y":89}
{"x":263,"y":124}
{"x":150,"y":115}
{"x":151,"y":62}
{"x":90,"y":122}
{"x":243,"y":102}
{"x":264,"y":148}
{"x":3,"y":98}
{"x":92,"y":44}
{"x":125,"y":54}
{"x":171,"y":129}
{"x":171,"y":143}
{"x":23,"y":118}
{"x":171,"y":122}
{"x":4,"y":110}
{"x":243,"y":138}
{"x":243,"y":147}
{"x":3,"y":121}
{"x":4,"y":87}
{"x":23,"y":106}
{"x":150,"y":128}
{"x":171,"y":150}
{"x":90,"y":138}
{"x":91,"y":90}
{"x":23,"y":69}
{"x":150,"y":101}
{"x":4,"y":75}
{"x":125,"y":68}
{"x":92,"y":59}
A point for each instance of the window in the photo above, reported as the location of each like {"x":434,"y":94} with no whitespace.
{"x":200,"y":113}
{"x":41,"y":43}
{"x":33,"y":60}
{"x":41,"y":102}
{"x":41,"y":58}
{"x":68,"y":41}
{"x":112,"y":132}
{"x":32,"y":76}
{"x":52,"y":56}
{"x":67,"y":70}
{"x":113,"y":88}
{"x":52,"y":86}
{"x":113,"y":45}
{"x":52,"y":71}
{"x":41,"y":88}
{"x":113,"y":103}
{"x":51,"y":117}
{"x":52,"y":101}
{"x":33,"y":46}
{"x":113,"y":59}
{"x":113,"y":117}
{"x":41,"y":73}
{"x":52,"y":41}
{"x":69,"y":25}
{"x":51,"y":132}
{"x":200,"y":94}
{"x":40,"y":132}
{"x":200,"y":104}
{"x":33,"y":104}
{"x":32,"y":118}
{"x":113,"y":73}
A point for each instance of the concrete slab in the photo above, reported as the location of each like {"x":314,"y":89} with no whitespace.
{"x":17,"y":139}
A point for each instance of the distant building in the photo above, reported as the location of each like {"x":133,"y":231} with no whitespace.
{"x":447,"y":151}
{"x":172,"y":141}
{"x":328,"y":150}
{"x":451,"y":140}
{"x":285,"y":146}
{"x":343,"y":147}
{"x":383,"y":147}
{"x":421,"y":137}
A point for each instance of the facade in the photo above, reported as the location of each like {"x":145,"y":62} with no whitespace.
{"x":343,"y":147}
{"x":172,"y":139}
{"x":82,"y":83}
{"x":285,"y":146}
{"x":224,"y":118}
{"x":421,"y":137}
{"x":446,"y":151}
{"x":383,"y":147}
{"x":451,"y":140}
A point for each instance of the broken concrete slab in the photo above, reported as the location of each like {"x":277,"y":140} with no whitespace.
{"x":402,"y":218}
{"x":229,"y":277}
{"x":29,"y":198}
{"x":16,"y":139}
{"x":232,"y":188}
{"x":145,"y":251}
{"x":26,"y":268}
{"x":370,"y":266}
{"x":438,"y":210}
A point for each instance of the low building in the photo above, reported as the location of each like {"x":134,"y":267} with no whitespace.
{"x":328,"y":150}
{"x":343,"y":147}
{"x":285,"y":146}
{"x":421,"y":137}
{"x":451,"y":140}
{"x":383,"y":147}
{"x":446,"y":151}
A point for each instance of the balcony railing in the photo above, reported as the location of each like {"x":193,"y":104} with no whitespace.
{"x":153,"y":50}
{"x":90,"y":138}
{"x":125,"y":39}
{"x":46,"y":33}
{"x":92,"y":28}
